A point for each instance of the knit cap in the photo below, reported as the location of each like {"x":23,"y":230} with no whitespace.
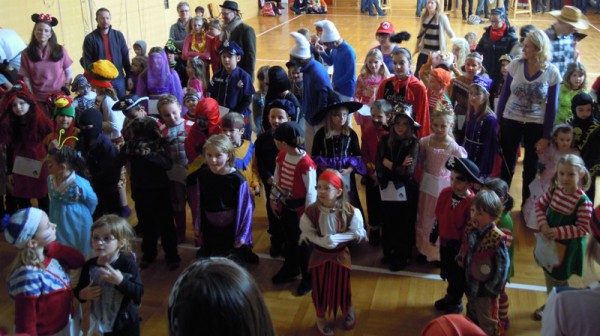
{"x":79,"y":83}
{"x":101,"y":72}
{"x":22,"y":226}
{"x":442,"y":76}
{"x":330,"y":32}
{"x":301,"y":49}
{"x":63,"y":106}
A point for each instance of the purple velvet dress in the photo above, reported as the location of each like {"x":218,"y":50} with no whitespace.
{"x":159,"y":79}
{"x":481,"y":141}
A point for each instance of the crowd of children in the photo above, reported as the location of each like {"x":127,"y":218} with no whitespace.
{"x":428,"y":158}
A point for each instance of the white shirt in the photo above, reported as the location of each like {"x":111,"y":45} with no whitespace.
{"x":573,"y":312}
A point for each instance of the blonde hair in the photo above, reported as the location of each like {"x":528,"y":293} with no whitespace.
{"x":383,"y":70}
{"x":199,"y":70}
{"x":436,"y":15}
{"x":215,"y":23}
{"x":444,"y":113}
{"x":571,"y":69}
{"x":166,"y":99}
{"x":577,"y":162}
{"x":540,"y":40}
{"x":329,"y":124}
{"x":463,"y":44}
{"x":120,"y":229}
{"x":221,"y":143}
{"x":26,"y":256}
{"x":189,"y":27}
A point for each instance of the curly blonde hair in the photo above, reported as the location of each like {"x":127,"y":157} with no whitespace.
{"x":540,"y":40}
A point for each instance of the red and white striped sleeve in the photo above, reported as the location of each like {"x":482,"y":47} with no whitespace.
{"x":581,"y":227}
{"x":508,"y":237}
{"x":540,"y":208}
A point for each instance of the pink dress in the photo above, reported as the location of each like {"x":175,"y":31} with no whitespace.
{"x":434,"y":178}
{"x":366,"y":89}
{"x":543,"y":182}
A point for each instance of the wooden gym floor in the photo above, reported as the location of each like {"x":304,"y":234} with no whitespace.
{"x":386,"y":303}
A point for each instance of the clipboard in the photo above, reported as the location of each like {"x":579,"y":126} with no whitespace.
{"x":27,"y":167}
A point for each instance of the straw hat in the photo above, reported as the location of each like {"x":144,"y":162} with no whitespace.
{"x":572,"y":16}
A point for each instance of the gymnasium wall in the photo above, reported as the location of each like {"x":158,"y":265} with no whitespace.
{"x":137,"y":19}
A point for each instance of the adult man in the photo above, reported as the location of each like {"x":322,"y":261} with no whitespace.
{"x":315,"y":85}
{"x":178,"y":33}
{"x":498,"y":39}
{"x":11,"y":46}
{"x":242,"y":34}
{"x":109,"y":44}
{"x":568,"y":19}
{"x":339,"y":54}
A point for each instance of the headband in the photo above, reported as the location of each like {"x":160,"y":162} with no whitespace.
{"x":333,"y":178}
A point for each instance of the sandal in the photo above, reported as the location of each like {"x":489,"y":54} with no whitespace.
{"x":350,"y":320}
{"x":538,"y":313}
{"x":325,"y":331}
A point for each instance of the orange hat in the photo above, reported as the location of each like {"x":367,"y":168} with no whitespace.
{"x":442,"y":76}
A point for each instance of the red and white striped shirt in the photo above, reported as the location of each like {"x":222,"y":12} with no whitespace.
{"x":565,"y":204}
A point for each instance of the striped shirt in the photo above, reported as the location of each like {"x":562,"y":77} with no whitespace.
{"x":565,"y":204}
{"x":431,"y":40}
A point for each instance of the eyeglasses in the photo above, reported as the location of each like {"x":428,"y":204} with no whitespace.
{"x":104,"y":240}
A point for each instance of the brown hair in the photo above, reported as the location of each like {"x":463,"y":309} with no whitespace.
{"x":120,"y":228}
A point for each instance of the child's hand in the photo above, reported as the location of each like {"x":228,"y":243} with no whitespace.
{"x":53,"y":145}
{"x":256,"y":191}
{"x":548,"y":232}
{"x":346,"y":171}
{"x":407,"y":161}
{"x":388,"y":164}
{"x":540,"y":146}
{"x":111,"y":275}
{"x":91,"y":292}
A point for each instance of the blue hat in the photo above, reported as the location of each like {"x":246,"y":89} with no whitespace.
{"x":231,"y":47}
{"x":286,"y":105}
{"x":483,"y":81}
{"x":22,"y":226}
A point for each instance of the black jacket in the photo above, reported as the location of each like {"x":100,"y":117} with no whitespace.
{"x":492,"y":51}
{"x":93,"y":50}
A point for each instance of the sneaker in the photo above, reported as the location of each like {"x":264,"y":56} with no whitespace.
{"x":350,"y":320}
{"x":304,"y":287}
{"x":285,"y":275}
{"x":374,"y":237}
{"x":441,"y":304}
{"x":454,"y":309}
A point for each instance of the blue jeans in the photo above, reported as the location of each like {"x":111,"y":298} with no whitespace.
{"x":581,"y":4}
{"x":482,"y":7}
{"x":420,"y":6}
{"x":119,"y":86}
{"x":370,"y":4}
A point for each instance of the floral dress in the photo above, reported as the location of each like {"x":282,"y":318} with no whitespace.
{"x":72,"y":204}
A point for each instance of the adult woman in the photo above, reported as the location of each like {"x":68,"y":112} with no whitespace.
{"x":498,"y":39}
{"x":527,"y":107}
{"x":278,"y":87}
{"x":432,"y":36}
{"x":45,"y":64}
{"x":573,"y":312}
{"x":217,"y":297}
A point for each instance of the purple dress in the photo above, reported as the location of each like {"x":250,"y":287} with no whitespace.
{"x":159,"y":79}
{"x":481,"y":141}
{"x":435,"y":176}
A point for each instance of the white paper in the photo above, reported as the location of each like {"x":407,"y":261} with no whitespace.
{"x":346,"y":181}
{"x":432,"y":185}
{"x":536,"y":191}
{"x":365,"y":110}
{"x":390,"y":193}
{"x":545,"y":252}
{"x":27,"y":167}
{"x":152,"y":107}
{"x":223,"y":110}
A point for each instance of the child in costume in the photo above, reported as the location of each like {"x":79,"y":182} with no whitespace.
{"x":452,"y":212}
{"x":64,"y":124}
{"x":439,"y":80}
{"x":371,"y":75}
{"x":574,"y":81}
{"x":459,"y":92}
{"x":259,"y":99}
{"x":397,"y":156}
{"x":111,"y":280}
{"x":435,"y":60}
{"x":563,"y":215}
{"x":138,"y":65}
{"x":102,"y":161}
{"x":194,"y":44}
{"x":158,"y":79}
{"x":279,"y":87}
{"x":279,"y":112}
{"x":498,"y":82}
{"x":383,"y":34}
{"x":293,"y":189}
{"x":225,"y":203}
{"x":231,"y":86}
{"x":587,"y":136}
{"x":72,"y":199}
{"x":381,"y":113}
{"x":330,"y":225}
{"x":434,"y":151}
{"x":85,"y":98}
{"x":175,"y":130}
{"x":147,"y":154}
{"x":404,"y":87}
{"x":562,"y":144}
{"x":196,"y":73}
{"x":213,"y":40}
{"x":336,"y":145}
{"x":38,"y":283}
{"x":486,"y":262}
{"x":190,"y":100}
{"x":233,"y":127}
{"x":24,"y":127}
{"x":505,"y":224}
{"x":481,"y":127}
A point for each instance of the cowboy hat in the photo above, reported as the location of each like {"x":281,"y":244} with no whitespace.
{"x":572,"y":16}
